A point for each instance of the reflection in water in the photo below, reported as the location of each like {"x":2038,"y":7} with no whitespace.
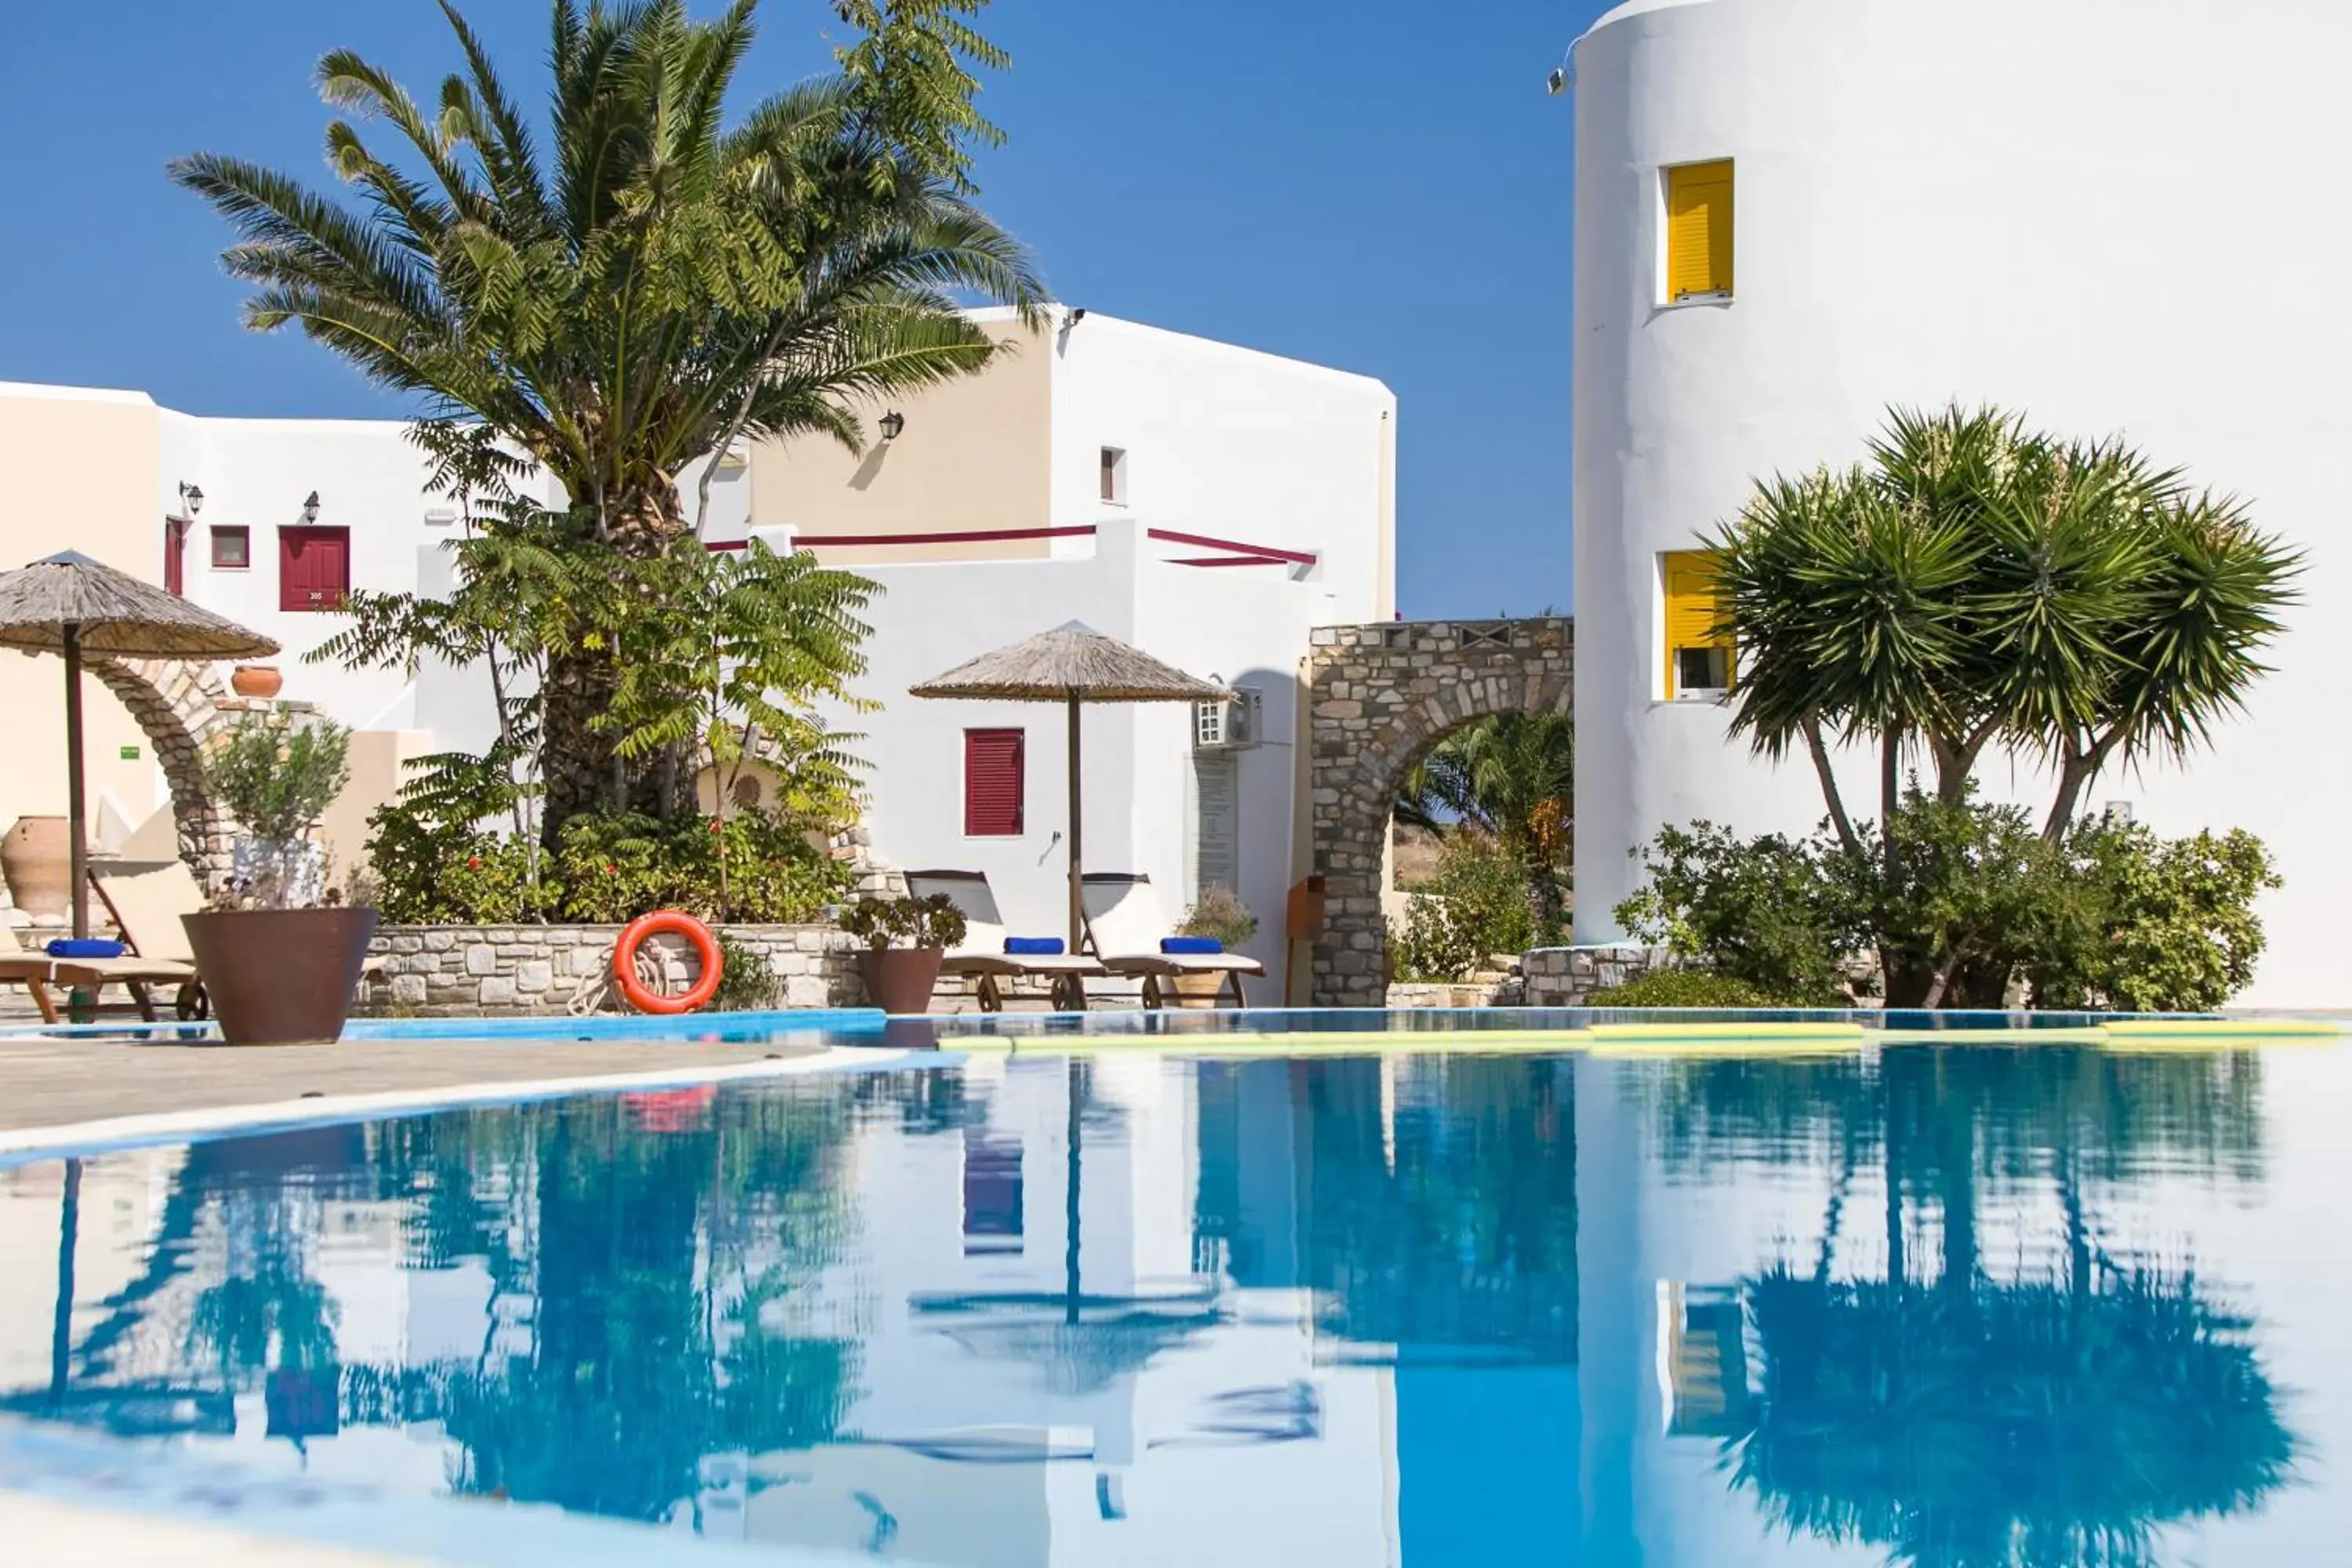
{"x":1911,"y":1309}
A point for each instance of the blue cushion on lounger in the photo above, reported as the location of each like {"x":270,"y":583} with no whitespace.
{"x":1180,"y":944}
{"x":86,"y":947}
{"x":1035,"y":946}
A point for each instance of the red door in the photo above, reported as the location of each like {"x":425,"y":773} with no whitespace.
{"x":314,"y":567}
{"x":175,"y":555}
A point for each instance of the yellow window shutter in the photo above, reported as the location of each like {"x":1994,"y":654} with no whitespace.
{"x":1698,"y":229}
{"x":1694,"y":603}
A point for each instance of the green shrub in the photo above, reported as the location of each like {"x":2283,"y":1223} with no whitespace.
{"x":1764,"y":911}
{"x":1961,"y":901}
{"x":758,"y":868}
{"x":747,"y":978}
{"x":1688,"y":988}
{"x":2165,"y":925}
{"x":278,"y":777}
{"x":1474,"y":908}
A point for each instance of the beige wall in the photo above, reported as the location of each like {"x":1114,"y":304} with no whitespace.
{"x":81,"y":474}
{"x":379,"y":761}
{"x":975,"y":455}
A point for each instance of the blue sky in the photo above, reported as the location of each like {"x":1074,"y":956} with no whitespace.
{"x":1377,"y":184}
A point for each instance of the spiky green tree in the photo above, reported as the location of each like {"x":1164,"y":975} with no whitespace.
{"x":1979,"y":584}
{"x":645,"y":279}
{"x":1512,"y":775}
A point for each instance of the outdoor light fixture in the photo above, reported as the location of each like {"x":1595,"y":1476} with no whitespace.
{"x":310,"y":507}
{"x":892,"y":423}
{"x":192,"y":498}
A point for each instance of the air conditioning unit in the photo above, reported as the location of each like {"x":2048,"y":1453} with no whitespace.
{"x":1227,"y":724}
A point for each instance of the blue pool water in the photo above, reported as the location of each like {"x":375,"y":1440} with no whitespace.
{"x":1950,"y":1306}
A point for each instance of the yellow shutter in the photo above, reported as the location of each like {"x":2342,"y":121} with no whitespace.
{"x":1694,"y":603}
{"x":1698,"y":229}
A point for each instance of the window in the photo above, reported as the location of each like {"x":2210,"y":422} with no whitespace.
{"x":1114,"y":475}
{"x":1699,"y":660}
{"x":314,"y":568}
{"x":992,"y":784}
{"x":232,"y":549}
{"x":1698,"y":231}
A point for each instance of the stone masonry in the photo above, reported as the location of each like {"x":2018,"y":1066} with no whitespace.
{"x":1568,"y":976}
{"x":531,"y":970}
{"x":1379,"y":697}
{"x":179,"y":706}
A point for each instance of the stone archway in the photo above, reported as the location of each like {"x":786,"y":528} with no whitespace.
{"x":1378,"y":697}
{"x":179,"y":707}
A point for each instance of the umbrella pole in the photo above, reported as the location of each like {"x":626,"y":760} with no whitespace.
{"x":79,"y":851}
{"x":1077,"y":900}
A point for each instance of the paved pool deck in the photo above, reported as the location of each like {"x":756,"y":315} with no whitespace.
{"x":56,"y":1081}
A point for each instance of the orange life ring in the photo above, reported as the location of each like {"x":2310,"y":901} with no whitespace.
{"x":672,"y":923}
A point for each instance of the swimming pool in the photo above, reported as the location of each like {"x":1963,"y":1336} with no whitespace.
{"x":1947,"y":1305}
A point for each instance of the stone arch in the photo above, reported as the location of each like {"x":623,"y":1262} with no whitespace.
{"x":180,"y":707}
{"x":1380,"y":697}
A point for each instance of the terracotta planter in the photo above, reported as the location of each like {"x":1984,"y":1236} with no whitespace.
{"x":37,"y":857}
{"x":256,"y":680}
{"x":280,"y":978}
{"x":900,"y":979}
{"x":1198,"y":990}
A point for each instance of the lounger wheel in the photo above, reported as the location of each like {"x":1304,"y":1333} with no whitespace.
{"x":1070,"y":994}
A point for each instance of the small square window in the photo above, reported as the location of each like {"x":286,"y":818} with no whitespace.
{"x":1114,"y":475}
{"x":232,"y":549}
{"x":1702,"y":670}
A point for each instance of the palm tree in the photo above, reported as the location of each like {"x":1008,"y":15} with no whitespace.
{"x":653,"y":286}
{"x":1511,"y":775}
{"x":1981,"y":583}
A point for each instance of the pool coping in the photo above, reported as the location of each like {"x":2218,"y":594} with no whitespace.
{"x":108,"y":1134}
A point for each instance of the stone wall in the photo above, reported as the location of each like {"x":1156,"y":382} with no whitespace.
{"x":1567,"y":976}
{"x":531,"y":970}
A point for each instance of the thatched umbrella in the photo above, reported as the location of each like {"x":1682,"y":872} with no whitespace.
{"x":1072,"y":664}
{"x":72,"y":605}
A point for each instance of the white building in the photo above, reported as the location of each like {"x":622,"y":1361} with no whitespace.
{"x":1209,"y":503}
{"x":2108,"y":216}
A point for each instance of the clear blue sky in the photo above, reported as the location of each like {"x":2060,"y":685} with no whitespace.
{"x":1377,"y":184}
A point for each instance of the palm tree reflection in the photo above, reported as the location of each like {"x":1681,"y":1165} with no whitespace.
{"x":2055,"y":1418}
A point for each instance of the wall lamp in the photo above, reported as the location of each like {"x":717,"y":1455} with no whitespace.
{"x":892,"y":423}
{"x":310,"y":507}
{"x":190,"y":497}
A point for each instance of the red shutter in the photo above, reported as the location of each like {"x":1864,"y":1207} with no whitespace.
{"x":992,"y":783}
{"x":314,"y":567}
{"x":175,"y":556}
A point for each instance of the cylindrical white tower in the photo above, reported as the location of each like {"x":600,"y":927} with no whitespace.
{"x":2106,"y":215}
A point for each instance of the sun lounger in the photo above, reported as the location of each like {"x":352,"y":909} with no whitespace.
{"x":145,"y":900}
{"x":983,"y":958}
{"x":1125,"y":924}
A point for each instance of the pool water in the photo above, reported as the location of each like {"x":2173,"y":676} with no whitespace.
{"x":1949,"y":1306}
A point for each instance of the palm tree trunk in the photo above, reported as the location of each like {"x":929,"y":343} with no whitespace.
{"x":1819,"y":751}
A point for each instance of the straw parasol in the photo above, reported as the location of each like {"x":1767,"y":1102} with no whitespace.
{"x":1072,"y":664}
{"x":68,"y":603}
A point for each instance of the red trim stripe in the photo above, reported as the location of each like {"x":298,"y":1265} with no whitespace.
{"x":969,"y":536}
{"x":1227,"y":560}
{"x":1203,"y":541}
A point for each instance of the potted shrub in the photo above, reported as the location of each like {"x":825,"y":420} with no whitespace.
{"x":279,"y":952}
{"x":1219,"y":913}
{"x":906,"y":941}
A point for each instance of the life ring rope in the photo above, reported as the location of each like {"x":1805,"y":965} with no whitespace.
{"x":666,"y":922}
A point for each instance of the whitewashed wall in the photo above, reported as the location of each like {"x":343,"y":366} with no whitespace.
{"x":2113,"y":229}
{"x":1229,"y":443}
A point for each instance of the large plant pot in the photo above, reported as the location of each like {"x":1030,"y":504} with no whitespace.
{"x":901,"y":979}
{"x":1199,"y":990}
{"x":280,"y":978}
{"x":36,"y":858}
